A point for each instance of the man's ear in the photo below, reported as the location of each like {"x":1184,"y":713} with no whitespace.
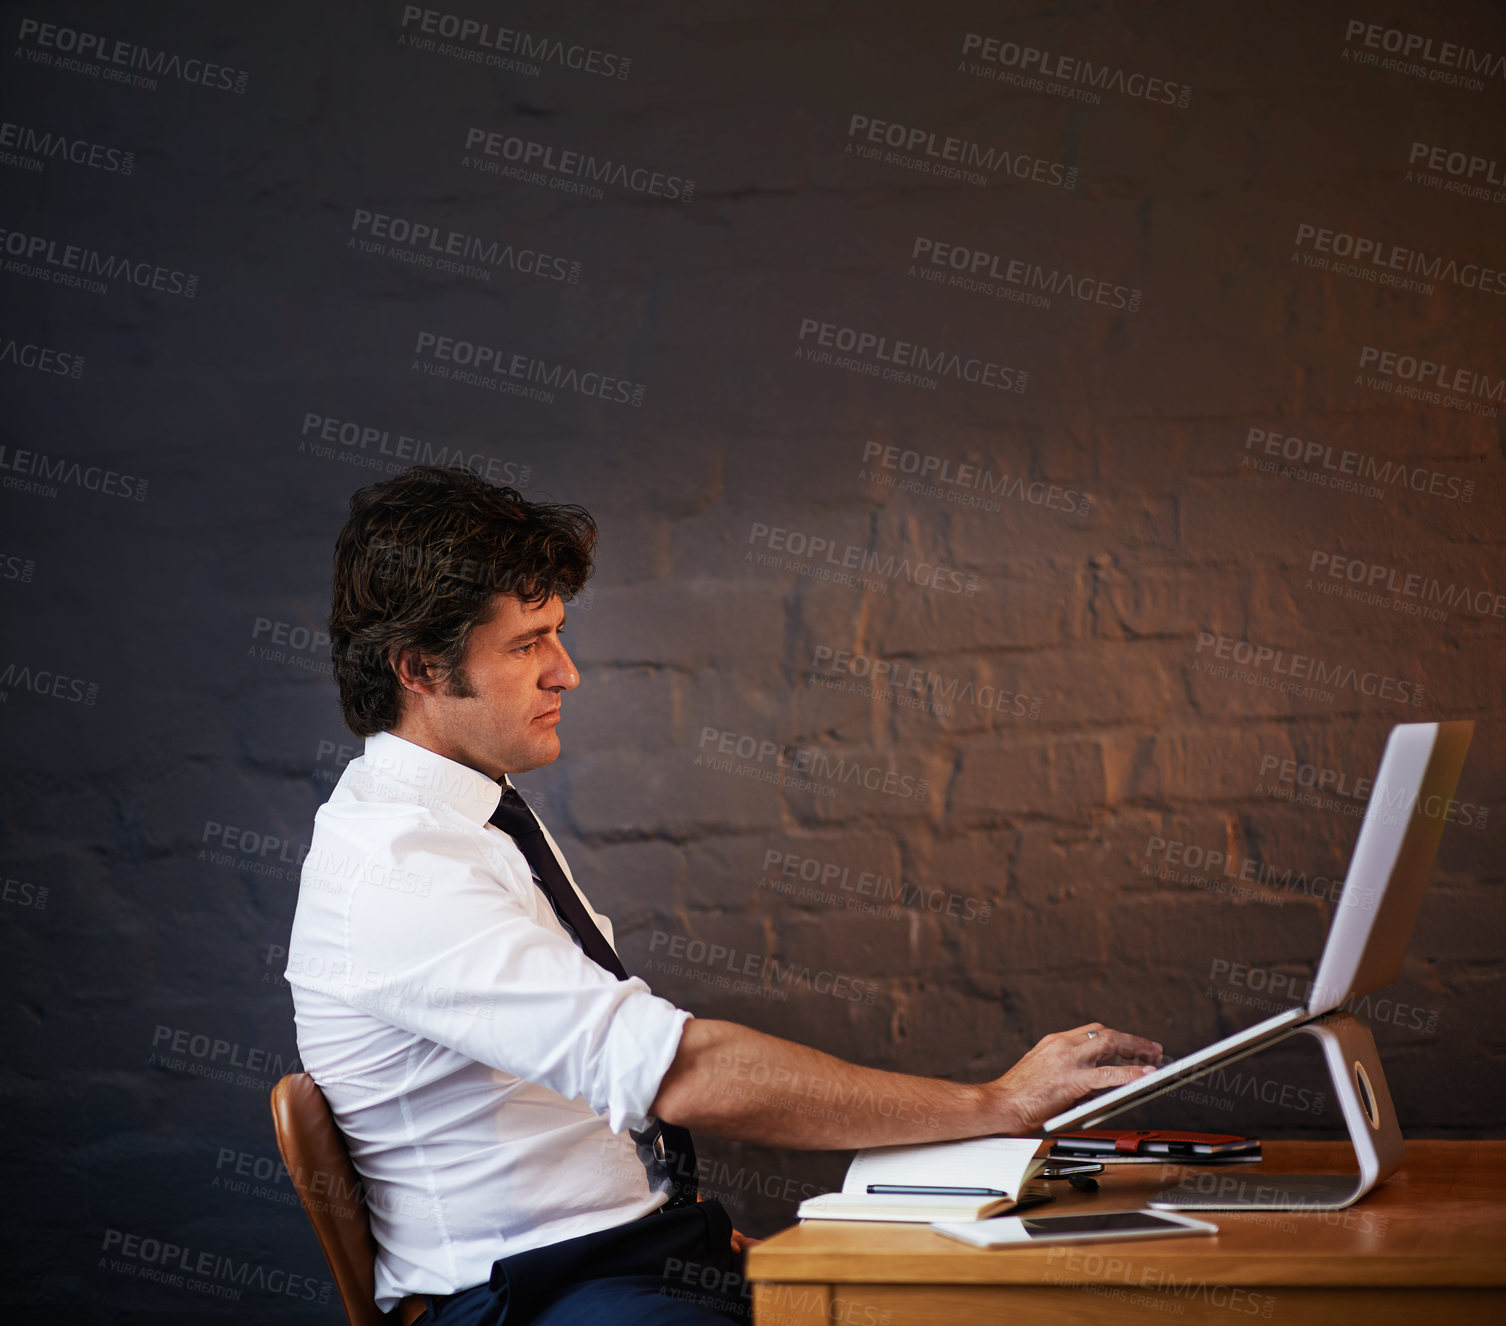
{"x":415,"y":670}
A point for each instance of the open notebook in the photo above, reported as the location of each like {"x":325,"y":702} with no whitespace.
{"x":1006,"y":1166}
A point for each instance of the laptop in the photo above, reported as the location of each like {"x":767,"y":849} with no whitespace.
{"x":1409,"y":805}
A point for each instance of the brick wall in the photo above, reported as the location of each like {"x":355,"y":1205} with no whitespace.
{"x":1008,"y":627}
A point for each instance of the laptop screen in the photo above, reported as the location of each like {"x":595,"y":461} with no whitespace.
{"x":1410,"y":803}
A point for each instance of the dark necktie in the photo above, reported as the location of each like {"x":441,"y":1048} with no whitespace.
{"x":516,"y":820}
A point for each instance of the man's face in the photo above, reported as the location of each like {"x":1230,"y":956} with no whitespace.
{"x":500,"y":712}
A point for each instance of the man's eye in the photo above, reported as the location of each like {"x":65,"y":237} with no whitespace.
{"x":524,"y":649}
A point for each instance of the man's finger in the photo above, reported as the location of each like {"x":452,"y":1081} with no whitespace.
{"x":1111,"y":1076}
{"x":1081,"y":1033}
{"x":1109,"y":1043}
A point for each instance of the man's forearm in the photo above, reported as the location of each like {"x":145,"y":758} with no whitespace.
{"x":736,"y":1082}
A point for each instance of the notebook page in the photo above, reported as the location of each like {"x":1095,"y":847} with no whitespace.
{"x":978,"y":1162}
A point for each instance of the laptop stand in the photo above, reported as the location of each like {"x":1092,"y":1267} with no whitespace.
{"x":1360,"y":1086}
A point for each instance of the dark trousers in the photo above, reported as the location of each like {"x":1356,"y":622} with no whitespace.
{"x":671,"y":1268}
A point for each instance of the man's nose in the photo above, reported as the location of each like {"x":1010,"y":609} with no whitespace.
{"x":562,"y":672}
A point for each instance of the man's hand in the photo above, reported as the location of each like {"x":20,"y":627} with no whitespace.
{"x":1064,"y":1067}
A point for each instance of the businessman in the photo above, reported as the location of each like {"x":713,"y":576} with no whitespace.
{"x":523,"y":1112}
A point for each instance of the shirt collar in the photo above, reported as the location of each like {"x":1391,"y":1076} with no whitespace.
{"x":432,"y":777}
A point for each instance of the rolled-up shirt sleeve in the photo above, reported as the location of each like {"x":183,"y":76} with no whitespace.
{"x":439,"y":943}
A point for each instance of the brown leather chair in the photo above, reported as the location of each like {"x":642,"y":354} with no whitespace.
{"x":318,"y":1162}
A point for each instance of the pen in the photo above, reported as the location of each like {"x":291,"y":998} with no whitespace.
{"x":903,"y":1189}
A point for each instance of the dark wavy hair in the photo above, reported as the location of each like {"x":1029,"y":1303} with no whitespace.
{"x":421,"y":561}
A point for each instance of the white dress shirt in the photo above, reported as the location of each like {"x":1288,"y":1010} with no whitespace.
{"x":483,"y":1070}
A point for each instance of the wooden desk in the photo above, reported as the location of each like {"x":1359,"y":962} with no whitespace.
{"x":1427,"y":1247}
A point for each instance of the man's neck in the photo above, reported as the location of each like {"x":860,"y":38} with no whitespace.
{"x":421,"y":734}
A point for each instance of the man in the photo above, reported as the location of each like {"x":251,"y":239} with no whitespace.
{"x":521,"y":1111}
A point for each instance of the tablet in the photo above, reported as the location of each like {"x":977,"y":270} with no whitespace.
{"x":1083,"y":1227}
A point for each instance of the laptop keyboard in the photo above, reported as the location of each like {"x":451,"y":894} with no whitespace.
{"x":1175,"y":1073}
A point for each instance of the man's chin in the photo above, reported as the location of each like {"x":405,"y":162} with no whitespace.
{"x":538,"y":754}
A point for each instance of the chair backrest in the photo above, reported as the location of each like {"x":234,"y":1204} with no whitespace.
{"x":318,"y":1162}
